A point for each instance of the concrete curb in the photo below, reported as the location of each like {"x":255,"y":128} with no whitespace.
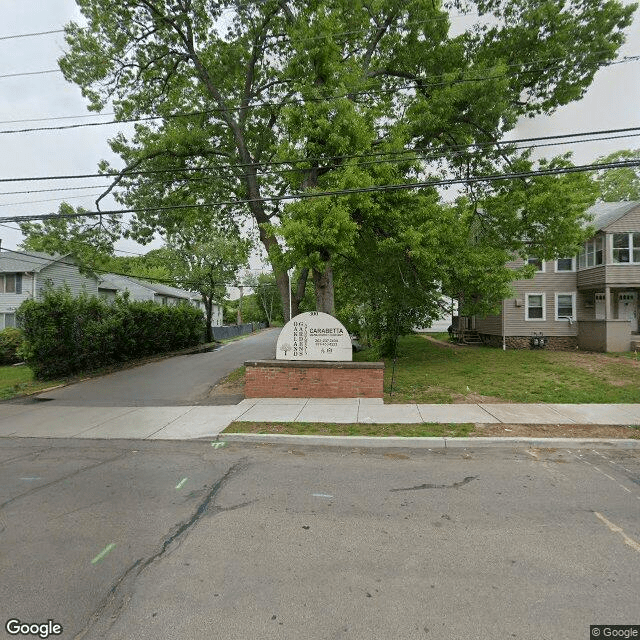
{"x":422,"y":443}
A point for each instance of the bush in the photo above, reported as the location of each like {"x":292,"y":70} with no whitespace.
{"x":66,"y":335}
{"x":10,"y":343}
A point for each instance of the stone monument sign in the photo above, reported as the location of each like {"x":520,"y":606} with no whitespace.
{"x":314,"y":336}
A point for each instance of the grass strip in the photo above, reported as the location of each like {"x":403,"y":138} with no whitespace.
{"x":427,"y":372}
{"x":403,"y":430}
{"x":18,"y":380}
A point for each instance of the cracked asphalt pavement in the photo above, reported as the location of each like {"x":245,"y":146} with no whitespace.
{"x":140,"y":540}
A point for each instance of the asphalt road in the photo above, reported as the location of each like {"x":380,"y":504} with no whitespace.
{"x":146,"y":540}
{"x":177,"y":381}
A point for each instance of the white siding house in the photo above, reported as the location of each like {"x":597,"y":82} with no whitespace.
{"x":112,"y":284}
{"x":24,"y":276}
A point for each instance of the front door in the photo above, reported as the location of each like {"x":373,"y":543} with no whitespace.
{"x":628,"y":308}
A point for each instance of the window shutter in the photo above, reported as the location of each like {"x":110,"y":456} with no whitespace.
{"x":18,"y":283}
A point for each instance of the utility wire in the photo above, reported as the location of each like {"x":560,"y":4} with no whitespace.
{"x":30,"y":35}
{"x":30,"y":73}
{"x":49,"y":118}
{"x":433,"y":154}
{"x":293,"y":101}
{"x":340,"y":192}
{"x":88,"y":186}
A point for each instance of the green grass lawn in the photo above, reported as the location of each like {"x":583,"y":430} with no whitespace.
{"x":18,"y":380}
{"x":353,"y":429}
{"x":431,"y":373}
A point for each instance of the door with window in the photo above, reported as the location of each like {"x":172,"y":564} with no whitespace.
{"x":628,"y":308}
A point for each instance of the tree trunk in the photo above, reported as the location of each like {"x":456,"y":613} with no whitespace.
{"x":208,"y":312}
{"x":323,"y":283}
{"x":282,"y":280}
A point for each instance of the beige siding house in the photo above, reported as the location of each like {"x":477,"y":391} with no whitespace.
{"x":589,"y":301}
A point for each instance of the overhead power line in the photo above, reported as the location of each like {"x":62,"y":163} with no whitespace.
{"x":84,"y":115}
{"x":420,"y":84}
{"x":30,"y":73}
{"x":340,"y":192}
{"x":409,"y":154}
{"x":87,"y":186}
{"x":30,"y":35}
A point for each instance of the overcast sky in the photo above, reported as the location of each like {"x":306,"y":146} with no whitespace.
{"x":612,"y":102}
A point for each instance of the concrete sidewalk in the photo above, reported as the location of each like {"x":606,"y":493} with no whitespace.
{"x":42,"y":419}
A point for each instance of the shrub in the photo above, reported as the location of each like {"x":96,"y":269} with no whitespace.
{"x":65,"y":335}
{"x":10,"y":342}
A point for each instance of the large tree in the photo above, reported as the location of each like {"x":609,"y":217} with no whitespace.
{"x":208,"y":266}
{"x":622,"y":183}
{"x":256,"y":101}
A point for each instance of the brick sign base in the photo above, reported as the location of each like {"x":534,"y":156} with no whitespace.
{"x":313,"y":379}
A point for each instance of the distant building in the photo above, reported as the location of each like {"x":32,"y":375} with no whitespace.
{"x":25,"y":274}
{"x":588,"y":301}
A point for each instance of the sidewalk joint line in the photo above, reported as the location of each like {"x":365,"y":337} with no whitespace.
{"x":490,"y":414}
{"x":553,"y":407}
{"x":301,"y":409}
{"x":95,"y":426}
{"x":182,"y":415}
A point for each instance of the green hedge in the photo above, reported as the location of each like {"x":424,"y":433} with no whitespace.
{"x":66,"y":335}
{"x":10,"y":342}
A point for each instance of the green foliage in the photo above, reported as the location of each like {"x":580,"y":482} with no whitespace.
{"x":619,"y":184}
{"x":309,"y":83}
{"x":10,"y":343}
{"x":265,"y":299}
{"x":89,"y":239}
{"x":65,"y":335}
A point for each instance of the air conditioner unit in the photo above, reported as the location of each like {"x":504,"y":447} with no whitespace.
{"x":518,"y":302}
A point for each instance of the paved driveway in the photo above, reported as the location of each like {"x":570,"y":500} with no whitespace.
{"x":177,"y":381}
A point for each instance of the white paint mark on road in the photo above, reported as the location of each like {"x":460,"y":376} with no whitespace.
{"x":611,"y":478}
{"x":604,"y":474}
{"x":31,"y":478}
{"x":110,"y":547}
{"x":533,"y":454}
{"x":181,"y":483}
{"x":321,"y":495}
{"x":616,"y":529}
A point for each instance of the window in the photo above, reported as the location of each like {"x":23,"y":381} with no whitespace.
{"x":535,"y":306}
{"x":7,"y":320}
{"x":565,"y":264}
{"x":599,"y":252}
{"x":536,"y":262}
{"x":565,"y":306}
{"x":621,"y":247}
{"x":592,"y":253}
{"x":636,"y":246}
{"x":11,"y":283}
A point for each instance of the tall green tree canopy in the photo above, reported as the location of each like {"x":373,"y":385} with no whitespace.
{"x":619,"y":184}
{"x":258,"y":101}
